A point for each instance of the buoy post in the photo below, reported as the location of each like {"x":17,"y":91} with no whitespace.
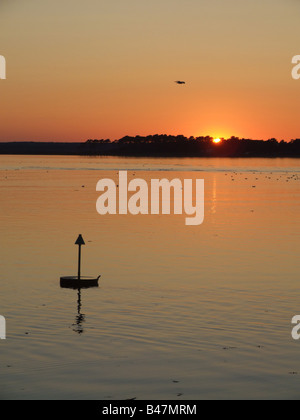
{"x":79,"y":242}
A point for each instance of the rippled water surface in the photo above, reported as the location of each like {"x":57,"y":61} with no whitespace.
{"x":181,"y":312}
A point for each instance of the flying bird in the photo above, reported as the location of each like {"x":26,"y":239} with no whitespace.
{"x":179,"y":82}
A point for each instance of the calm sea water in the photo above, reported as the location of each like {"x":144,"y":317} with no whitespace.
{"x":181,"y":312}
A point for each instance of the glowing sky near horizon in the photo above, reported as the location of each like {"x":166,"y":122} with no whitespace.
{"x":105,"y":69}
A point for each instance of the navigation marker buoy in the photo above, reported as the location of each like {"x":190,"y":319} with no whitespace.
{"x":79,"y":281}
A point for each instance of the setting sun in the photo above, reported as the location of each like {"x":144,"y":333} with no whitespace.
{"x":217,"y":140}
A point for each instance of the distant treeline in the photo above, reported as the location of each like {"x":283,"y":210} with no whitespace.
{"x":161,"y":145}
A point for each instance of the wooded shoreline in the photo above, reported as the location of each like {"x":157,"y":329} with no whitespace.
{"x":159,"y":146}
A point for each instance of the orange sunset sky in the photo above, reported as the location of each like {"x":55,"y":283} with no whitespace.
{"x":105,"y":69}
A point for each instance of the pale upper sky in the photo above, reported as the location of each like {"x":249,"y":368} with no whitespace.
{"x":104,"y":69}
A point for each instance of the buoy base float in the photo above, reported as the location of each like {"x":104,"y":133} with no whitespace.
{"x":74,"y":282}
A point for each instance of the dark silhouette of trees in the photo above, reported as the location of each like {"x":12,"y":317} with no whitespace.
{"x":169,"y":145}
{"x":161,"y":145}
